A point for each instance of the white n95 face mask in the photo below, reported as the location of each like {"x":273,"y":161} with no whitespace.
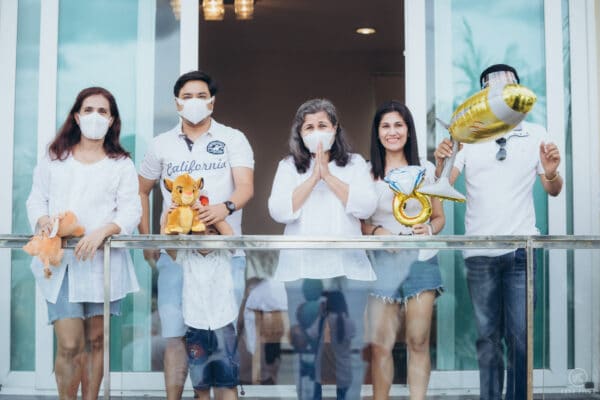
{"x":93,"y":126}
{"x":194,"y":110}
{"x":312,"y":140}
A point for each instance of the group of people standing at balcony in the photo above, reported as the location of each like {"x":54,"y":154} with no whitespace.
{"x":320,"y":188}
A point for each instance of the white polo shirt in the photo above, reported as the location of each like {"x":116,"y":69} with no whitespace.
{"x":500,"y":193}
{"x":211,"y":156}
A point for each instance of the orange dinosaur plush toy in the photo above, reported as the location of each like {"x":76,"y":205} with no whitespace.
{"x":49,"y":248}
{"x":184,"y":193}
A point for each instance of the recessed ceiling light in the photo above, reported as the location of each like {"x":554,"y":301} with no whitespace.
{"x":365,"y":31}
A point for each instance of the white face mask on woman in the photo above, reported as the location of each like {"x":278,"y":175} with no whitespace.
{"x":312,"y":140}
{"x":93,"y":126}
{"x":194,"y":110}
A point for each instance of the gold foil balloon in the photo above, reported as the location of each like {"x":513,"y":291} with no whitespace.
{"x":488,"y":114}
{"x":399,"y":204}
{"x":491,"y":113}
{"x":405,"y":183}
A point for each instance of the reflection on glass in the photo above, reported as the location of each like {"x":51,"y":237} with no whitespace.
{"x":463,"y":44}
{"x":25,"y":153}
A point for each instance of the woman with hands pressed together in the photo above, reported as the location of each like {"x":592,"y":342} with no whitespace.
{"x":322,"y":189}
{"x":88,"y":172}
{"x":408,"y":279}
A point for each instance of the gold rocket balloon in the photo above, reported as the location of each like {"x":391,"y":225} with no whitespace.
{"x":491,"y":113}
{"x":486,"y":115}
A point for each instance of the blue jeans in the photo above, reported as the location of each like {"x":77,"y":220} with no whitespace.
{"x":498,"y":291}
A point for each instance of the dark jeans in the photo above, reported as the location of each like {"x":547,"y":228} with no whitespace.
{"x":498,"y":291}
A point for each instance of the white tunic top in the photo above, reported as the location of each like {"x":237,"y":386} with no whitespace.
{"x":100,"y":193}
{"x":212,"y":156}
{"x":323,"y":214}
{"x":500,"y":193}
{"x":208,"y":298}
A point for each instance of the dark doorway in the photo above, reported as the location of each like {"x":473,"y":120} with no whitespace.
{"x":292,"y":51}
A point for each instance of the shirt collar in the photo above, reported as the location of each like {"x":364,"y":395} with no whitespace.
{"x":210,"y":133}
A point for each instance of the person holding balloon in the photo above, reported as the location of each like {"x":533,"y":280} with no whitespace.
{"x":408,"y":279}
{"x":499,"y":176}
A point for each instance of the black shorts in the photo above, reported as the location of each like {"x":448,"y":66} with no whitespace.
{"x":213,"y":357}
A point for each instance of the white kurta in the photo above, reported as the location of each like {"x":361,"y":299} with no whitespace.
{"x":323,"y":214}
{"x":98,"y":194}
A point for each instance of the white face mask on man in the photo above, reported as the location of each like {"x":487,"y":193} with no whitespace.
{"x":194,"y":110}
{"x":312,"y":140}
{"x":94,"y":126}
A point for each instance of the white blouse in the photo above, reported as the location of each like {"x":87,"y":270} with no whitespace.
{"x":323,"y":214}
{"x":99,"y":193}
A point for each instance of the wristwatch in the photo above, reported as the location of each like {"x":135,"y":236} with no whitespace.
{"x":230,"y":206}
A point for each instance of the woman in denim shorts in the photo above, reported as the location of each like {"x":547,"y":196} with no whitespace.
{"x":408,"y":279}
{"x":88,"y":172}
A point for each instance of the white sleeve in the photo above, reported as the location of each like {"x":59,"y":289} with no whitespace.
{"x":129,"y":207}
{"x":362,"y":197}
{"x":151,"y":166}
{"x":38,"y":200}
{"x":240,"y":152}
{"x":280,"y":200}
{"x":459,"y":161}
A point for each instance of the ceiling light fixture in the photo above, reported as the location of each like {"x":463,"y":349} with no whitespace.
{"x":214,"y":10}
{"x":366,"y":31}
{"x":244,"y":9}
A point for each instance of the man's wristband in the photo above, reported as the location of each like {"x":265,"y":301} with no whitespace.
{"x":555,"y":177}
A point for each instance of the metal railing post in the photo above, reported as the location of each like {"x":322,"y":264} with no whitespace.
{"x":530,"y":288}
{"x":106,"y":348}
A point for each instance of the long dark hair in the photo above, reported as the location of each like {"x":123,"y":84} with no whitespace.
{"x":411,"y":149}
{"x":340,"y":150}
{"x":69,"y":133}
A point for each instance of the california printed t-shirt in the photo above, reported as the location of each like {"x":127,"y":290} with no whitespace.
{"x":211,"y":156}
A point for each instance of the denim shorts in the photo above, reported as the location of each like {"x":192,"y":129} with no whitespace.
{"x":212,"y":357}
{"x":64,"y":309}
{"x":401,"y":276}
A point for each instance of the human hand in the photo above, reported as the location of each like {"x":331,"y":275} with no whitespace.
{"x":45,"y":225}
{"x":323,"y":161}
{"x":550,"y":159}
{"x":87,"y":246}
{"x":151,"y":256}
{"x":443,"y":151}
{"x":213,"y":214}
{"x":422,"y":229}
{"x":316,"y":174}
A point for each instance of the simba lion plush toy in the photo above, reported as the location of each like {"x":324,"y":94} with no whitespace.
{"x":184,"y":193}
{"x":49,"y":248}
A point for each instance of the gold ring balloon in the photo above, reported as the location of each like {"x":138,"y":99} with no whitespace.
{"x":405,"y":183}
{"x":486,"y":115}
{"x":399,"y":204}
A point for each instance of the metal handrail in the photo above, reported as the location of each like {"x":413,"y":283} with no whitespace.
{"x":277,"y":242}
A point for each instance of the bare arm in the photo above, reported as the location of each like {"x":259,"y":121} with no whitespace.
{"x":243,"y":180}
{"x":146,"y":185}
{"x":441,"y":154}
{"x":550,"y":159}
